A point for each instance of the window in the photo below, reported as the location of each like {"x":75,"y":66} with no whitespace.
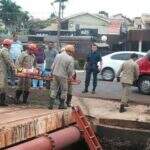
{"x":139,"y":55}
{"x":125,"y":56}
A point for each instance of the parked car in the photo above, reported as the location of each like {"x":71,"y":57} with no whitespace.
{"x":143,"y":83}
{"x":112,"y":62}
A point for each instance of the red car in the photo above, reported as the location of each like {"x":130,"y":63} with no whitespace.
{"x":143,"y":82}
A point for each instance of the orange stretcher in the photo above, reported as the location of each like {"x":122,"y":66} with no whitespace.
{"x":34,"y":74}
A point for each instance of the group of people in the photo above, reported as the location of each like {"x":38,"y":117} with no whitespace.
{"x":26,"y":60}
{"x":61,"y":65}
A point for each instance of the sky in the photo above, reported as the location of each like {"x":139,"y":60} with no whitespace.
{"x":42,"y":8}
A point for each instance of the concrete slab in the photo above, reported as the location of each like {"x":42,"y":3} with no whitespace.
{"x":107,"y":112}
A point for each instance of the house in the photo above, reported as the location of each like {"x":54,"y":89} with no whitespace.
{"x":139,"y":36}
{"x":142,"y":22}
{"x":81,"y":24}
{"x":138,"y":23}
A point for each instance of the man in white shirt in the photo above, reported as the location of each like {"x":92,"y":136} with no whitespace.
{"x":16,"y":48}
{"x":15,"y":52}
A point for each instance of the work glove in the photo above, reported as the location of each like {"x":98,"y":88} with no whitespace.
{"x":117,"y":79}
{"x":74,"y":76}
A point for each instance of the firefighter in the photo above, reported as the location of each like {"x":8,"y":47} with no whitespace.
{"x":5,"y":61}
{"x":70,"y":88}
{"x":63,"y":68}
{"x":128,"y":73}
{"x":25,"y":61}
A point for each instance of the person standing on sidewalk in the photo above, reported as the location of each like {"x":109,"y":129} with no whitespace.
{"x":128,"y":73}
{"x":40,"y":57}
{"x":91,"y":67}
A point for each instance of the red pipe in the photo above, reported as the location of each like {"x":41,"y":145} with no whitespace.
{"x":65,"y":137}
{"x":57,"y":140}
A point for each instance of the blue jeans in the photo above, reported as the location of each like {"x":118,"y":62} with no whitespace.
{"x":35,"y":82}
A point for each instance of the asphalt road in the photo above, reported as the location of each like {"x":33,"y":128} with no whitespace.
{"x":109,"y":90}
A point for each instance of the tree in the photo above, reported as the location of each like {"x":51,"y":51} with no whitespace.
{"x":52,"y":16}
{"x":12,"y":15}
{"x":36,"y":24}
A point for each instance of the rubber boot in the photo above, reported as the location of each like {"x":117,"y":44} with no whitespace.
{"x":85,"y":90}
{"x":68,"y":102}
{"x":3,"y":99}
{"x":122,"y":109}
{"x":25,"y":96}
{"x":18,"y":94}
{"x":51,"y":103}
{"x":62,"y":104}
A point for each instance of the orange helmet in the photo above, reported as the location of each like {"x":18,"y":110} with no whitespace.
{"x":32,"y":46}
{"x":7,"y":42}
{"x":69,"y":48}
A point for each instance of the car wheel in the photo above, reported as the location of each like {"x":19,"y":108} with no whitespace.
{"x":144,"y":85}
{"x":108,"y":74}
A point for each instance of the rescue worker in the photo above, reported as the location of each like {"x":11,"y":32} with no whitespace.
{"x":70,"y":88}
{"x":92,"y":68}
{"x":5,"y":62}
{"x":26,"y":61}
{"x":62,"y":70}
{"x":128,"y":73}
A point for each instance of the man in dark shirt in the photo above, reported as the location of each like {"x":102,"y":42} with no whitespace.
{"x":91,"y":67}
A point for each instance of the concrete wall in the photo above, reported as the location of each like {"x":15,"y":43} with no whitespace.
{"x":89,"y":22}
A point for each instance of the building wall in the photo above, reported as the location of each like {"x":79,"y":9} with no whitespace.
{"x":87,"y":22}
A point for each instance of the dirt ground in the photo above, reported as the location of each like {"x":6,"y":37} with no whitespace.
{"x":38,"y":97}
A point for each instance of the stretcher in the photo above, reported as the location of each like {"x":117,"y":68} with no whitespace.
{"x":35,"y":74}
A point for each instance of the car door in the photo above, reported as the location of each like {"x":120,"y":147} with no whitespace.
{"x":118,"y":59}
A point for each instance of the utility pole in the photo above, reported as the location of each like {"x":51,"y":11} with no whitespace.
{"x":60,"y":12}
{"x":59,"y":25}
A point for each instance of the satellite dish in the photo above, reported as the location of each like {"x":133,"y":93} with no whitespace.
{"x":104,"y":38}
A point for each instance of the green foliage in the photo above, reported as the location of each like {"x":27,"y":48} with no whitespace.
{"x":38,"y":24}
{"x":12,"y":15}
{"x":81,"y":63}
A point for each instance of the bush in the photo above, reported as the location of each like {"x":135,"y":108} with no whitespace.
{"x":81,"y":63}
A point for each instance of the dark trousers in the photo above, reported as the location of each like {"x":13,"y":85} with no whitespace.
{"x":88,"y":78}
{"x":12,"y":76}
{"x":48,"y":82}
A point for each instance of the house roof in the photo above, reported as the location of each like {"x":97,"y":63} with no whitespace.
{"x":122,"y":16}
{"x":85,"y":13}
